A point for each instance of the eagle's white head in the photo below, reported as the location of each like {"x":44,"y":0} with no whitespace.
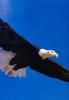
{"x":47,"y":53}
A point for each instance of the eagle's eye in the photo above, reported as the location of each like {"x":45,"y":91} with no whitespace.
{"x":52,"y":52}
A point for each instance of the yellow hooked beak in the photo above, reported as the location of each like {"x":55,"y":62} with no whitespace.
{"x":55,"y":54}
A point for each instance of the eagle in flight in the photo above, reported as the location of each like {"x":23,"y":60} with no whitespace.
{"x":16,"y":54}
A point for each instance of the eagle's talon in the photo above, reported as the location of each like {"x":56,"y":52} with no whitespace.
{"x":12,"y":73}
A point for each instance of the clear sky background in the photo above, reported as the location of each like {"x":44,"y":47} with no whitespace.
{"x":45,"y":23}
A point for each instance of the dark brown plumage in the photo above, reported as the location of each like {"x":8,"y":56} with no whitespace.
{"x":26,"y":55}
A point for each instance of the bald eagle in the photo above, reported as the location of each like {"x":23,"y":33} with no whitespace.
{"x":16,"y":54}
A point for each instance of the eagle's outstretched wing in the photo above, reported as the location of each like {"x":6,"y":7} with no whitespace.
{"x":10,"y":37}
{"x":52,"y":69}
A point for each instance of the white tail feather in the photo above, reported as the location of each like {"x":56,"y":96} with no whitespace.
{"x":5,"y":57}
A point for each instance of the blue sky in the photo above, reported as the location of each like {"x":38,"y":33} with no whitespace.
{"x":45,"y":24}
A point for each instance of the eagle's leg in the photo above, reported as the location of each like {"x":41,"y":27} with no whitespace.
{"x":17,"y":71}
{"x":9,"y":70}
{"x":12,"y":73}
{"x":23,"y":72}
